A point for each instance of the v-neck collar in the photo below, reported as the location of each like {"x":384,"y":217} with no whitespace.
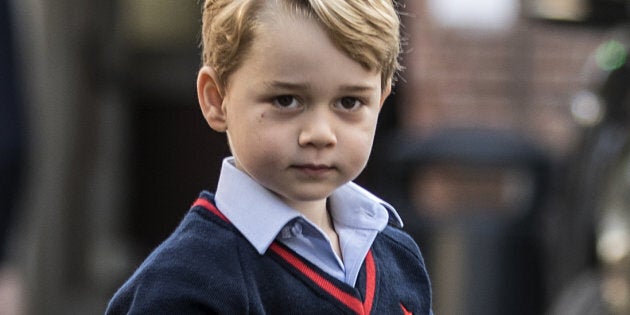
{"x":339,"y":291}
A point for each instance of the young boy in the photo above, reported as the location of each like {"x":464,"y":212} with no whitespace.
{"x":297,"y":86}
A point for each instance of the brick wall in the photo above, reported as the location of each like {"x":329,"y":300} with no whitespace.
{"x":520,"y":79}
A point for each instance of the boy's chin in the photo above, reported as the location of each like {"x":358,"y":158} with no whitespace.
{"x":305,"y":197}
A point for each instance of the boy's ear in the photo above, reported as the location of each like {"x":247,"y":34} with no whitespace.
{"x":210,"y":95}
{"x":385,"y":93}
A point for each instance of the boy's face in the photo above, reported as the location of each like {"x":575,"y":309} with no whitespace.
{"x":300,"y":115}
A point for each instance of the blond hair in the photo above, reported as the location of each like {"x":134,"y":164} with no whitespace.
{"x":368,"y":31}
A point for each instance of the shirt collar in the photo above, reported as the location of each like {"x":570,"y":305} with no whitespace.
{"x":260,"y":215}
{"x":357,"y":208}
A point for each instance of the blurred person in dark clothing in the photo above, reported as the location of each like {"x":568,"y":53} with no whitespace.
{"x":11,"y":150}
{"x":11,"y":143}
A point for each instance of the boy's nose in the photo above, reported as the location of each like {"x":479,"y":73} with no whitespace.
{"x":317,"y":131}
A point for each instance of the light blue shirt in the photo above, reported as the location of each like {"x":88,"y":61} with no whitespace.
{"x":262,"y":217}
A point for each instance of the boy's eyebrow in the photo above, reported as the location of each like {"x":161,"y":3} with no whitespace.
{"x":356,"y":88}
{"x":306,"y":86}
{"x":288,"y":85}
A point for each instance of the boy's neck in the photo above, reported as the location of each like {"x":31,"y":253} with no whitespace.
{"x":316,"y":212}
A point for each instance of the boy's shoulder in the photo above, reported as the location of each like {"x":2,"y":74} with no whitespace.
{"x":395,"y":237}
{"x":200,"y":241}
{"x":196,"y":244}
{"x":405,"y":270}
{"x":200,"y":258}
{"x":199,"y":234}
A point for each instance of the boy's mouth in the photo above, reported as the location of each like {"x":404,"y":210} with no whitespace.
{"x":313,"y":169}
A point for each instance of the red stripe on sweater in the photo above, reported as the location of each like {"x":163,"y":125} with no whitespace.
{"x":370,"y":282}
{"x":350,"y":301}
{"x":210,"y":207}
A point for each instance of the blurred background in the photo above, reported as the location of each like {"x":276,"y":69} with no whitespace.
{"x":505,"y":147}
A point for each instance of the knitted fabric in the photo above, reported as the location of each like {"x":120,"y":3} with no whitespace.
{"x":207,"y":267}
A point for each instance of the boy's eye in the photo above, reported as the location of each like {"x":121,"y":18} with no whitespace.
{"x":286,"y":101}
{"x":349,"y":103}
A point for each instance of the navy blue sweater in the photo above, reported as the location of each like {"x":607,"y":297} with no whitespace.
{"x":207,"y":267}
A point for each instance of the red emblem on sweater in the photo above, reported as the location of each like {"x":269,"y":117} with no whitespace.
{"x":405,"y":310}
